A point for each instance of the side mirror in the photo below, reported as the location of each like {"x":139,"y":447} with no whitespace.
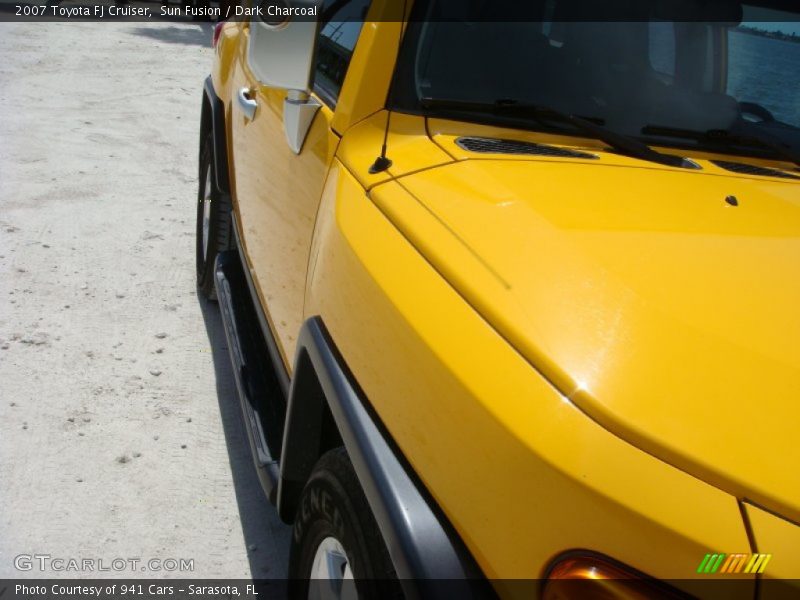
{"x":281,"y":52}
{"x":282,"y":43}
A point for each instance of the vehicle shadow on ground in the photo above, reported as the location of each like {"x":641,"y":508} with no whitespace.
{"x":198,"y":34}
{"x":262,"y":528}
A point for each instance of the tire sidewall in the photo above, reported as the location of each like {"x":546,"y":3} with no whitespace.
{"x":333,"y":505}
{"x":325,"y":512}
{"x":205,"y":260}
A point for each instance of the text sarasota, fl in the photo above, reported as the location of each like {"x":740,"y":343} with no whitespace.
{"x":119,"y":589}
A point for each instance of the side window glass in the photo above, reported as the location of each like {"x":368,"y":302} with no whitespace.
{"x":341,"y":26}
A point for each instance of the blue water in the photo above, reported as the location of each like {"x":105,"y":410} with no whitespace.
{"x":766,"y":71}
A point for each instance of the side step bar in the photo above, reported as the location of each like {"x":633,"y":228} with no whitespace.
{"x":263,"y":403}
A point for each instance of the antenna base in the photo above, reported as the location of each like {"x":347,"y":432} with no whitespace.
{"x":380,"y":165}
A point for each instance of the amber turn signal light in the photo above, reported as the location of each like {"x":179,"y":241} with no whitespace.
{"x":594,"y":578}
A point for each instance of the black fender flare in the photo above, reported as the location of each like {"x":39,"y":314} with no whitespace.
{"x":430,"y":559}
{"x":213,"y":116}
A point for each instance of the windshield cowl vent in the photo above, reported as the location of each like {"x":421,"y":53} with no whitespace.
{"x":745,"y":169}
{"x":496,"y":146}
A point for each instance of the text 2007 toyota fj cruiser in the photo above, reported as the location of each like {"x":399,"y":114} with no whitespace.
{"x":512,"y":293}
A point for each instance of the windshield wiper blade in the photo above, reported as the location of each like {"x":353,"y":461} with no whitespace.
{"x":617,"y":141}
{"x":728,"y":138}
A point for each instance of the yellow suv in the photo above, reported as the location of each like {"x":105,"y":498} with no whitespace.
{"x":512,"y":290}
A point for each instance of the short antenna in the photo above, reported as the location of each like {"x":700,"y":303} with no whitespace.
{"x":383,"y":162}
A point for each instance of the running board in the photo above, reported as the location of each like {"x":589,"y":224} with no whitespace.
{"x":263,"y":405}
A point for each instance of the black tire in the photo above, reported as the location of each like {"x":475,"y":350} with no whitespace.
{"x":333,"y":505}
{"x":218,"y":238}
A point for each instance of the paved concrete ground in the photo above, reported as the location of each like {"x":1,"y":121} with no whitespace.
{"x":120,"y":435}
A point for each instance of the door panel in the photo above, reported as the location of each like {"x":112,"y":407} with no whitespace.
{"x":277,"y":195}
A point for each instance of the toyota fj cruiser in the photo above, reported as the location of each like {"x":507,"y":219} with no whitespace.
{"x":512,"y":293}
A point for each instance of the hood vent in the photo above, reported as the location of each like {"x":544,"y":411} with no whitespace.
{"x":753,"y":170}
{"x":494,"y":146}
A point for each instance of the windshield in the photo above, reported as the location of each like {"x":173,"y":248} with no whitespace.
{"x":658,"y":75}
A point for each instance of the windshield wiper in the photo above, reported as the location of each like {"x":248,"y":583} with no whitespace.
{"x":727,"y":138}
{"x":617,"y":141}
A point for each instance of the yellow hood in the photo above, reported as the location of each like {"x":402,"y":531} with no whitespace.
{"x":663,"y":312}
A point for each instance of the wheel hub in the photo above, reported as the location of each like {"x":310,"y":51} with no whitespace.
{"x":331,"y":576}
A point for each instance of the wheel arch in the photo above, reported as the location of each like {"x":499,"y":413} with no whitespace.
{"x":310,"y":431}
{"x":423,"y":545}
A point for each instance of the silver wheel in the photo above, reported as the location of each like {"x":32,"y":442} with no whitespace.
{"x":331,"y":576}
{"x":206,"y":211}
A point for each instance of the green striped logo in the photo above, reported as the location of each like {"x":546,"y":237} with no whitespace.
{"x":733,"y":563}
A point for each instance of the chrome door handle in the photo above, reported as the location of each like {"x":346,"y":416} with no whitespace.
{"x":247,"y":104}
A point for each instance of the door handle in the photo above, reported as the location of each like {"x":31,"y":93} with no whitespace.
{"x":247,"y":104}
